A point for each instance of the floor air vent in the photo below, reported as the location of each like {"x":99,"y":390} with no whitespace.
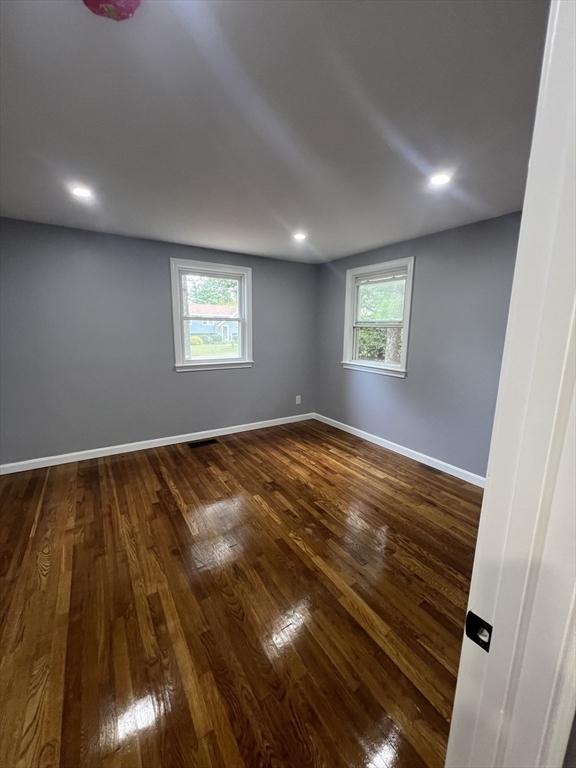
{"x":202,"y":443}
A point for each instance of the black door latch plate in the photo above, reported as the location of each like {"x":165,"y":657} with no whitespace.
{"x":478,"y":630}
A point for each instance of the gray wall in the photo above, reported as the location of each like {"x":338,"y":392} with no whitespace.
{"x":86,"y":349}
{"x":445,"y":406}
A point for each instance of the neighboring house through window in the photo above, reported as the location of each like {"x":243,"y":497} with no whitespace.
{"x":377,"y":317}
{"x":212,"y":313}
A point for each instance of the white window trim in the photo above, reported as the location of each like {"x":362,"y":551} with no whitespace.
{"x":177,"y":266}
{"x":349,"y":314}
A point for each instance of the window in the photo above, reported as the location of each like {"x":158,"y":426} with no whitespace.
{"x":377,"y":315}
{"x":212,"y":310}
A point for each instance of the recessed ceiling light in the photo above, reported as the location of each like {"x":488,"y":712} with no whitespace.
{"x":300,"y":236}
{"x":81,"y":192}
{"x":440,"y":179}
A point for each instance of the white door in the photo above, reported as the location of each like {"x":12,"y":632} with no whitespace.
{"x":514,"y":704}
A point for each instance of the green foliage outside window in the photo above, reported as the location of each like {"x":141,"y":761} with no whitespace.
{"x":379,"y":344}
{"x":219,"y":291}
{"x":381,"y":301}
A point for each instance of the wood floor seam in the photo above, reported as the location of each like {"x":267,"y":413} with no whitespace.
{"x":290,"y":597}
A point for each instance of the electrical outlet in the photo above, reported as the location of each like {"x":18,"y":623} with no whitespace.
{"x":298,"y":399}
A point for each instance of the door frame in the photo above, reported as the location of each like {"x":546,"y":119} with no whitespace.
{"x":515,"y":704}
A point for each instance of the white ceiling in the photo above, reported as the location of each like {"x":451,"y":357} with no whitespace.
{"x":232,"y":123}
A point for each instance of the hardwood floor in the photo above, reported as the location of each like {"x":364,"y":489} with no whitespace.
{"x":288,"y":597}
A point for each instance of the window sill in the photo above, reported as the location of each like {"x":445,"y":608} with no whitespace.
{"x":396,"y":372}
{"x":214,"y":365}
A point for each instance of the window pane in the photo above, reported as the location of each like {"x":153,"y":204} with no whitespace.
{"x":211,"y":339}
{"x":381,"y":301}
{"x":379,"y":345}
{"x":212,"y":296}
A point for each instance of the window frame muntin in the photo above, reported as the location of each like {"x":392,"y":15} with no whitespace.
{"x":381,"y":269}
{"x":209,"y":269}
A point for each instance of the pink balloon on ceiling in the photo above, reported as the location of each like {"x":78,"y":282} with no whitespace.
{"x":119,"y":10}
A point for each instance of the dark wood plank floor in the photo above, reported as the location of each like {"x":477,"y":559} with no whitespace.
{"x":287,"y":597}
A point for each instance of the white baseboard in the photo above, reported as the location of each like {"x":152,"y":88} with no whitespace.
{"x":111,"y":450}
{"x":450,"y":469}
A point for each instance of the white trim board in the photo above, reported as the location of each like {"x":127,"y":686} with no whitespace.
{"x":430,"y":461}
{"x":141,"y":445}
{"x":190,"y":437}
{"x":513,"y":705}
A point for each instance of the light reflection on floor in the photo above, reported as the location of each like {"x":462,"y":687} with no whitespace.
{"x":140,"y":715}
{"x":287,"y":627}
{"x":222,"y":515}
{"x":215,"y":553}
{"x":385,"y":754}
{"x":356,"y":522}
{"x":226,"y":517}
